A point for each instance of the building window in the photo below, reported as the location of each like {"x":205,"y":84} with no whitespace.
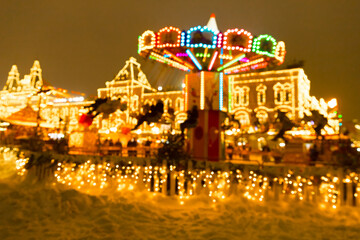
{"x":167,"y":104}
{"x":64,"y":112}
{"x":241,"y":96}
{"x":287,"y":96}
{"x":135,"y":102}
{"x":261,"y":94}
{"x":179,"y":105}
{"x":237,"y":96}
{"x":244,"y":96}
{"x":73,"y":112}
{"x":282,"y":93}
{"x":287,"y":92}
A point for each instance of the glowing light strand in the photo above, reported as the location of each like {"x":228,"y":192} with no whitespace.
{"x":243,"y":33}
{"x":142,"y":43}
{"x":221,"y":91}
{"x":215,"y":54}
{"x":170,"y":62}
{"x":231,"y":62}
{"x":90,"y":176}
{"x":243,"y":65}
{"x":201,"y":45}
{"x":193,"y":58}
{"x":202,"y":90}
{"x":168,"y":30}
{"x":258,"y":48}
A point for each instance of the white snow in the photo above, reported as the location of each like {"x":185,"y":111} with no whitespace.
{"x":31,"y":210}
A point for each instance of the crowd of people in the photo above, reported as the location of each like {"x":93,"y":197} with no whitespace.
{"x":148,"y":148}
{"x":133,"y":147}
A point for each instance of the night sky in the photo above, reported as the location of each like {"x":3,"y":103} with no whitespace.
{"x":83,"y":44}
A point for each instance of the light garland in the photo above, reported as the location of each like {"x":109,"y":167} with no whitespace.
{"x":221,"y":91}
{"x":330,"y":191}
{"x":259,"y":65}
{"x":20,"y":166}
{"x":183,"y":39}
{"x":181,"y":55}
{"x":165,"y":32}
{"x":176,"y":58}
{"x":209,"y":37}
{"x":203,"y":55}
{"x":238,"y":58}
{"x":201,"y":45}
{"x":170,"y":62}
{"x":220,"y":40}
{"x":212,"y":61}
{"x":243,"y":65}
{"x":280,"y":52}
{"x":143,"y":44}
{"x":226,"y":57}
{"x":202,"y":90}
{"x":257,"y":48}
{"x":218,"y":184}
{"x":230,"y":89}
{"x":186,"y":89}
{"x":206,"y":54}
{"x":193,"y":58}
{"x":234,"y":33}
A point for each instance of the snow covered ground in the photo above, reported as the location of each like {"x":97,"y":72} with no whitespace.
{"x":38,"y":211}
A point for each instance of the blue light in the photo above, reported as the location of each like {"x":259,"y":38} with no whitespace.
{"x":193,"y":58}
{"x":203,"y":45}
{"x":221,"y":60}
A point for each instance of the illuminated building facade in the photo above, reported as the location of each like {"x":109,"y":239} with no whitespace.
{"x":131,"y":86}
{"x":56,"y":107}
{"x":222,"y":74}
{"x":262,"y":94}
{"x":258,"y":94}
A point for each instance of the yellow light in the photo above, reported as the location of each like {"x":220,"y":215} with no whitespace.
{"x":202,"y":91}
{"x":332,"y":103}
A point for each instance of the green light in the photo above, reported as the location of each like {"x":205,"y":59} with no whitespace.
{"x":340,"y":116}
{"x":202,"y":55}
{"x":231,"y":62}
{"x":139,"y":50}
{"x":266,"y":39}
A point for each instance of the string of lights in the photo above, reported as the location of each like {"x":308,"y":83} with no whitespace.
{"x":218,"y":185}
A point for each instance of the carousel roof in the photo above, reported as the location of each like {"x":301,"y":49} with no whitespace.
{"x":26,"y":116}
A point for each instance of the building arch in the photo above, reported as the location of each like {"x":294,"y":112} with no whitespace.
{"x":262,"y":116}
{"x":243,"y":117}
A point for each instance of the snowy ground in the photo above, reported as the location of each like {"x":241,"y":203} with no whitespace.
{"x":38,"y":211}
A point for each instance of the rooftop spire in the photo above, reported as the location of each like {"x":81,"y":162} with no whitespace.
{"x":212,"y":23}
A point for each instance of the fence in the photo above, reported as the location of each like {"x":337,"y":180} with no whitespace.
{"x":327,"y":186}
